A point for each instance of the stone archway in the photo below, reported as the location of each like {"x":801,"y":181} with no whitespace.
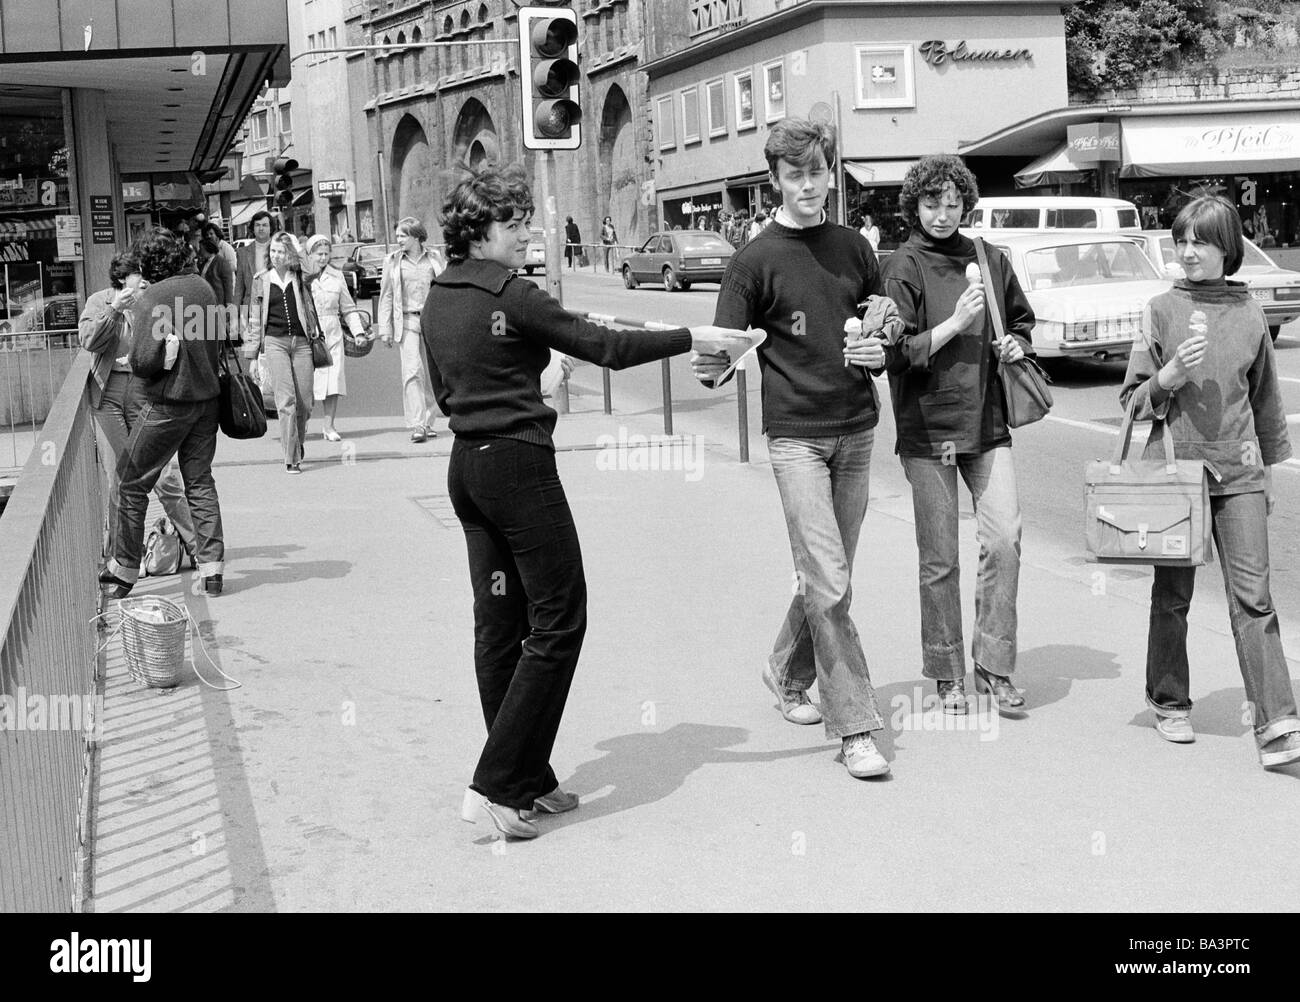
{"x":413,"y":172}
{"x":619,"y":184}
{"x":474,"y":140}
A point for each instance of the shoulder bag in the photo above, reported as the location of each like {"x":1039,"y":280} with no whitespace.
{"x":1024,"y":383}
{"x":1144,"y":511}
{"x":240,"y":413}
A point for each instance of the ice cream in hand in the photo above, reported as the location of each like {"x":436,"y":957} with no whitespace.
{"x":973,"y":276}
{"x":1196,"y":322}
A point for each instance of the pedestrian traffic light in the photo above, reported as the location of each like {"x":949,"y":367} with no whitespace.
{"x":548,"y":76}
{"x":282,"y":168}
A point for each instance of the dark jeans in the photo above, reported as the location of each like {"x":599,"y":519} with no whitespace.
{"x":158,"y":432}
{"x":1241,"y":543}
{"x":530,"y":607}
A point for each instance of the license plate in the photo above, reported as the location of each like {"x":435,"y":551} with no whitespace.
{"x":1266,"y":295}
{"x":710,"y":260}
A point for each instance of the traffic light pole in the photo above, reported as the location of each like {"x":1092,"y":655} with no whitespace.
{"x":544,"y":171}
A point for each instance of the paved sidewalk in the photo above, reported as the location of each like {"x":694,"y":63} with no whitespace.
{"x":332,"y":779}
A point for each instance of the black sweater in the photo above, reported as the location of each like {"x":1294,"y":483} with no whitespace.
{"x":486,"y":334}
{"x":800,"y":285}
{"x":948,"y":403}
{"x":184,"y":305}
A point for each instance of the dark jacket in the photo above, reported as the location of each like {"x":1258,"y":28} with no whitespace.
{"x":486,"y":336}
{"x":184,"y":305}
{"x":949,"y":403}
{"x":1230,"y":412}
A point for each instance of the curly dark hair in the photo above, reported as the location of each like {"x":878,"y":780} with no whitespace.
{"x":493,"y":195}
{"x":161,"y":255}
{"x":928,"y":176}
{"x":122,"y":267}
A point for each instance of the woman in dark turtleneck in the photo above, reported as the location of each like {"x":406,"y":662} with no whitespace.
{"x":1205,"y":369}
{"x":951,"y":421}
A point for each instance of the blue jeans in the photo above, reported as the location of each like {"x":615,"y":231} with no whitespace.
{"x":1241,"y":541}
{"x":293,"y":379}
{"x":991,"y":479}
{"x":158,"y":432}
{"x":530,"y":607}
{"x":824,"y":488}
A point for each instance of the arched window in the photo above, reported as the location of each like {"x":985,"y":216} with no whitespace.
{"x":448,"y":26}
{"x":482,"y":13}
{"x":417,"y":56}
{"x":464,"y":19}
{"x":401,"y":60}
{"x":385,"y":83}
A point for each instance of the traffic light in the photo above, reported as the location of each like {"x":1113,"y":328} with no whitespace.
{"x":548,"y":77}
{"x":282,"y":168}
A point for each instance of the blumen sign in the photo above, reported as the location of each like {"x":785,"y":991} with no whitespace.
{"x":1090,"y":144}
{"x":936,"y":53}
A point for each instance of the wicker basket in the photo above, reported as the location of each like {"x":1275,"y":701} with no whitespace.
{"x":155,"y":652}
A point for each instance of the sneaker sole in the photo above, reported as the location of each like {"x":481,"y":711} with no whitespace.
{"x":1275,"y":760}
{"x":770,"y":682}
{"x":1176,"y":739}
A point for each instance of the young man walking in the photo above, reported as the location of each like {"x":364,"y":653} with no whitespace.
{"x":800,"y":283}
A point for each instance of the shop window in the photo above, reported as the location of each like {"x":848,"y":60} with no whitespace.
{"x":716,"y":98}
{"x":744,"y":100}
{"x":885,"y":76}
{"x":691,"y":115}
{"x":664,"y":123}
{"x":286,"y":126}
{"x":257,"y":132}
{"x":774,"y":90}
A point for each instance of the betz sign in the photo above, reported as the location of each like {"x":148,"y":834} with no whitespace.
{"x":327,"y":188}
{"x":936,"y":53}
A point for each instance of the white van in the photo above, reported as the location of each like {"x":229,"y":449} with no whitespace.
{"x":1053,"y":212}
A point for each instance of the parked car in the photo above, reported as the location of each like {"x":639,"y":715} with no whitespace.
{"x":1053,"y":212}
{"x":341,"y":258}
{"x":678,"y":258}
{"x":535,"y":256}
{"x":1276,"y":289}
{"x":366,"y":268}
{"x":1088,"y":291}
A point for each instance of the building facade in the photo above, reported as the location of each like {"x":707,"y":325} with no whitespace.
{"x":898,"y":80}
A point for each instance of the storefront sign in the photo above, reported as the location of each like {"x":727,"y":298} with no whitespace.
{"x":1090,"y":144}
{"x":936,"y":53}
{"x":101,"y":219}
{"x":328,"y":188}
{"x":1244,"y":140}
{"x":67,"y":230}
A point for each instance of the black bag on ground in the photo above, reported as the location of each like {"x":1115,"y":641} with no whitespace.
{"x":240,"y":414}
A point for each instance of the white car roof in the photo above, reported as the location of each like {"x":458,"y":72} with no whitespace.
{"x":1052,"y":202}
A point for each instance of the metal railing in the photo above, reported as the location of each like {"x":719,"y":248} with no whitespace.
{"x":33,"y":365}
{"x":50,"y":542}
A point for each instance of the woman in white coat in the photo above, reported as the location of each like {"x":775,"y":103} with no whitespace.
{"x":334,"y":307}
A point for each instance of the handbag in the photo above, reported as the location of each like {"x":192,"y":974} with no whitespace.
{"x":320,"y":353}
{"x":1024,"y":383}
{"x":352,"y":346}
{"x":162,"y":551}
{"x":239,"y":414}
{"x":1144,"y":511}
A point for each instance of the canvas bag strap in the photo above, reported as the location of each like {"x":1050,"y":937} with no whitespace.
{"x":991,"y":300}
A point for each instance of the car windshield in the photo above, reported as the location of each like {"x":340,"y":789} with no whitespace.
{"x":371,"y":255}
{"x":1101,"y":263}
{"x":1255,"y":258}
{"x":693,"y":243}
{"x":536,"y":235}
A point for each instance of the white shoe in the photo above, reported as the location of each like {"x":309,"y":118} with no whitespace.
{"x":796,"y":707}
{"x":861,"y":756}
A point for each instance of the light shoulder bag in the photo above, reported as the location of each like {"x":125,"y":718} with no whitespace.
{"x":1147,"y":511}
{"x":1024,"y":383}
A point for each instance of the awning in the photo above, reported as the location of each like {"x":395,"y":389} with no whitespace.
{"x":242,"y":213}
{"x":877,"y":172}
{"x":1191,"y":144}
{"x":1055,"y":168}
{"x":303,"y":197}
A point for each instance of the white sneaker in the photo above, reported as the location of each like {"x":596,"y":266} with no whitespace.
{"x":861,"y":756}
{"x":796,"y":707}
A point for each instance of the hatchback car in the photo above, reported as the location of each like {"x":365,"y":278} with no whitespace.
{"x":1088,"y":292}
{"x":535,"y":256}
{"x":677,"y":259}
{"x":1276,"y":289}
{"x":367,"y":265}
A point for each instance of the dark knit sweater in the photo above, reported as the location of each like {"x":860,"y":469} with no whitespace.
{"x":486,"y":334}
{"x":1229,"y":412}
{"x":800,"y":285}
{"x":948,"y":403}
{"x":282,"y":318}
{"x":184,"y":305}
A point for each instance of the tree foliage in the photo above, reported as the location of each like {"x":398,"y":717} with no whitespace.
{"x":1114,"y":43}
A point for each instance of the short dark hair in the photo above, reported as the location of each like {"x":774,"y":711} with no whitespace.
{"x":122,"y":266}
{"x":796,"y":140}
{"x":261,"y":214}
{"x":413,"y":228}
{"x":161,"y":254}
{"x":1213,"y":219}
{"x":494,"y":195}
{"x":928,"y":176}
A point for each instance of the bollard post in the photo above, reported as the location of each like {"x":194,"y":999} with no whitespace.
{"x":742,"y":411}
{"x":668,"y":397}
{"x":605,"y":389}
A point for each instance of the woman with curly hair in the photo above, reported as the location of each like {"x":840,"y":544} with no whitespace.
{"x":281,"y":317}
{"x":951,"y":421}
{"x":487,"y":335}
{"x":179,"y":330}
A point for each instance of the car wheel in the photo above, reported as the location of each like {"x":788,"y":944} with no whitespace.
{"x":670,"y":279}
{"x":528,"y":269}
{"x":1273,"y":332}
{"x":629,"y":280}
